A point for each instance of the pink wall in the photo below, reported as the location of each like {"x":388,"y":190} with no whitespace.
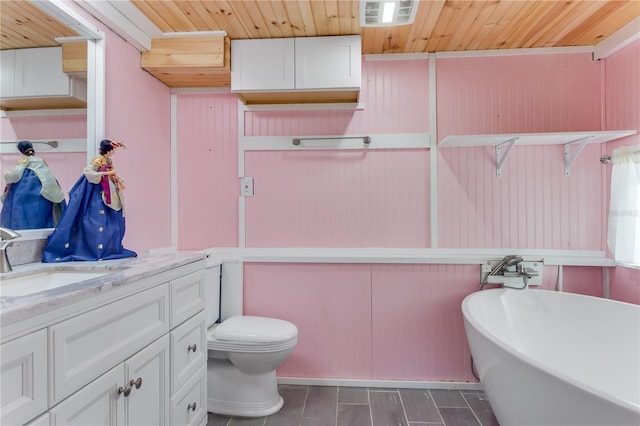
{"x":622,"y":111}
{"x":208,"y":171}
{"x":533,"y":204}
{"x":378,"y":322}
{"x":138,"y":113}
{"x":345,"y":198}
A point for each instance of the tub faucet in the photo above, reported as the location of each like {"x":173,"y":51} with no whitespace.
{"x":510,"y":271}
{"x":6,"y":237}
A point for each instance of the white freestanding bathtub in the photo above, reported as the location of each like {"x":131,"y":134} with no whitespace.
{"x":551,"y":358}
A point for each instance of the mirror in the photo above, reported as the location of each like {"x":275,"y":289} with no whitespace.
{"x":73,"y":131}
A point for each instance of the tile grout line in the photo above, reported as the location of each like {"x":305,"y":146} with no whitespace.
{"x":436,"y":405}
{"x":471,"y":408}
{"x":404,"y":410}
{"x":304,"y":405}
{"x":370,"y":410}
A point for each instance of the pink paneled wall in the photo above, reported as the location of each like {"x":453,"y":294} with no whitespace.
{"x":509,"y":94}
{"x":622,"y":112}
{"x":338,"y":199}
{"x":66,"y":166}
{"x":353,"y":198}
{"x":138,"y":114}
{"x":208,"y":171}
{"x":533,"y":204}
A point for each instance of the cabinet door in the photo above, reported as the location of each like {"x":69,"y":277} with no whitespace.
{"x":38,"y":72}
{"x":98,"y":403}
{"x":188,"y":350}
{"x":328,"y":62}
{"x":23,"y":376}
{"x":262,"y":64}
{"x":147,"y":374}
{"x":7,"y":61}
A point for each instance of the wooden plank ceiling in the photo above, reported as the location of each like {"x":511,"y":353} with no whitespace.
{"x":439,"y":25}
{"x":23,"y":25}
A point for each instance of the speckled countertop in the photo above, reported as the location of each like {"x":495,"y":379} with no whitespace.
{"x":119,"y":273}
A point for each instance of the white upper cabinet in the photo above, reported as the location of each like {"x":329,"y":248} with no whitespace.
{"x":296,"y":64}
{"x":34,"y":78}
{"x":262,"y":64}
{"x":38,"y":72}
{"x":328,"y":62}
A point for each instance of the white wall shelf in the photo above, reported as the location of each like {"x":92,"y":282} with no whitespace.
{"x":504,"y":142}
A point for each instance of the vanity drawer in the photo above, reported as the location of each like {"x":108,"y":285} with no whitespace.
{"x":85,"y":346}
{"x":23,"y":378}
{"x":188,"y":350}
{"x":187,"y":297}
{"x":189,"y":404}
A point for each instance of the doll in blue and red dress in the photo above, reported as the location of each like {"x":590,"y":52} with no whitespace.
{"x":93,"y":224}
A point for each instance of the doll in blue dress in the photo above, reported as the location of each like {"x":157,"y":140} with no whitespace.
{"x":32,"y":197}
{"x":93,"y":225}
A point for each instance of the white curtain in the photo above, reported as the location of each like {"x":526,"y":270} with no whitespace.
{"x":624,"y":210}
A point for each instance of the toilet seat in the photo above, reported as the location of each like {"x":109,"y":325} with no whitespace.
{"x":246,"y":333}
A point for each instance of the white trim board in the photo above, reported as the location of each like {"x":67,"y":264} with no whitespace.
{"x":616,"y":41}
{"x":410,"y":255}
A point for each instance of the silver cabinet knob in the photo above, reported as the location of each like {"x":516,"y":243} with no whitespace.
{"x":191,"y":407}
{"x":193,"y":348}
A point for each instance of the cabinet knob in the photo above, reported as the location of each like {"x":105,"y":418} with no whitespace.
{"x":191,"y":407}
{"x":192,"y":348}
{"x":137,"y":383}
{"x":126,"y":390}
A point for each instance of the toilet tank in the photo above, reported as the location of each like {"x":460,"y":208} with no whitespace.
{"x":212,"y":293}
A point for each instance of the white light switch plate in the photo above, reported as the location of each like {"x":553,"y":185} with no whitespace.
{"x":246,"y":186}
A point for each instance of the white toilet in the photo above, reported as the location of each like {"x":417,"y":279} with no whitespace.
{"x":243,"y":351}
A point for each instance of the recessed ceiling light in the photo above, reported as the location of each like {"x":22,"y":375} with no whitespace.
{"x":383,"y":13}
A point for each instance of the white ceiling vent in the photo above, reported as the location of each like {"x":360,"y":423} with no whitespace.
{"x":381,"y":13}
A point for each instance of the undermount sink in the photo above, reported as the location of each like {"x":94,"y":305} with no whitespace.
{"x":41,"y":281}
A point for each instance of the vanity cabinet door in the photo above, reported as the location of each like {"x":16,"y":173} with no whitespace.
{"x":23,"y":376}
{"x":98,"y":403}
{"x":188,"y":350}
{"x":147,"y":375}
{"x":85,"y":346}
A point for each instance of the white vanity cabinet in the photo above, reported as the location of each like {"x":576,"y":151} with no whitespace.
{"x":136,"y":359}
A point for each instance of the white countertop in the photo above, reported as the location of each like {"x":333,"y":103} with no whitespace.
{"x":121,"y":272}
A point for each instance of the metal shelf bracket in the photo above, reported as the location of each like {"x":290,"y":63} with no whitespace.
{"x":569,"y":158}
{"x":500,"y":156}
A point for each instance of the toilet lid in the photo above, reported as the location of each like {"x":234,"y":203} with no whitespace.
{"x":245,"y":328}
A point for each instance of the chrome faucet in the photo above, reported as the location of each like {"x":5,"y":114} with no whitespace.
{"x":6,"y":237}
{"x":510,"y":270}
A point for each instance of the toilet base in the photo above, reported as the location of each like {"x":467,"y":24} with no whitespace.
{"x":234,"y":393}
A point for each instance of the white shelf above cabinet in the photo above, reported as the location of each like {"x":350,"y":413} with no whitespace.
{"x":504,"y":142}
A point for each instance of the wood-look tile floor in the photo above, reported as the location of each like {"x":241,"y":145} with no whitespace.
{"x":351,"y":406}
